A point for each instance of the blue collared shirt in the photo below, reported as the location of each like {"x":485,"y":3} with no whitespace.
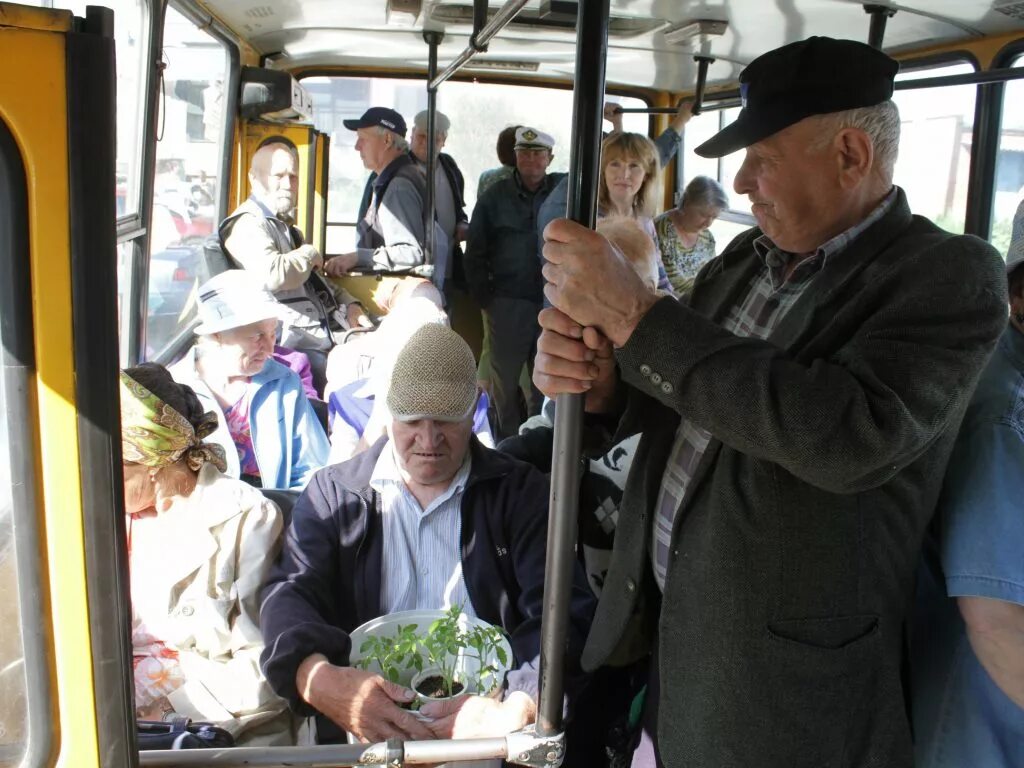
{"x":421,"y":564}
{"x":975,"y":548}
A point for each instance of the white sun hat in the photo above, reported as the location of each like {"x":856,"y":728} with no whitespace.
{"x":232,"y":299}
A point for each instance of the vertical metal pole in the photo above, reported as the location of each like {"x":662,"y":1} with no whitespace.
{"x":433,"y":40}
{"x":702,"y":78}
{"x":584,"y":167}
{"x":880,"y":14}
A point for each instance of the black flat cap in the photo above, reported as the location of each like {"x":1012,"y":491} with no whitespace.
{"x":811,"y":77}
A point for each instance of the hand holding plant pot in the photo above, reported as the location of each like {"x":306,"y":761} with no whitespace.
{"x":364,"y":704}
{"x":479,"y":717}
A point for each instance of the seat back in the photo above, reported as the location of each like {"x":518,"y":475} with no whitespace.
{"x":285,"y":500}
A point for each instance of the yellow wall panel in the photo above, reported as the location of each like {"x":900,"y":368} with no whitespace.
{"x":32,"y":104}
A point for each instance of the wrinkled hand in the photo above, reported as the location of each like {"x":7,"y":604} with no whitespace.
{"x":573,"y":359}
{"x":155,"y":710}
{"x":361,"y":702}
{"x":357,"y":317}
{"x":479,"y":717}
{"x":338,"y":266}
{"x":684,"y":112}
{"x":613,"y":116}
{"x":591,"y":281}
{"x":312,"y":255}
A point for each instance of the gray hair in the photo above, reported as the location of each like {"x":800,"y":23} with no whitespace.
{"x":443,"y":123}
{"x":703,"y":191}
{"x":881,"y":123}
{"x":397,"y":141}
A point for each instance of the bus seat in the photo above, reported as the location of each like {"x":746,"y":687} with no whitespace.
{"x":285,"y":499}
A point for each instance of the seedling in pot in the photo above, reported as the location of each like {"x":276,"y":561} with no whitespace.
{"x":439,"y":651}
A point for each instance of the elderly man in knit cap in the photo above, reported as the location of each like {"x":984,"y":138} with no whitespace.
{"x":427,"y":518}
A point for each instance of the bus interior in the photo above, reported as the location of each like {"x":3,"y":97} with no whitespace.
{"x":195,"y":86}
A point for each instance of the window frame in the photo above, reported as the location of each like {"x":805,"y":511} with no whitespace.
{"x":136,"y":232}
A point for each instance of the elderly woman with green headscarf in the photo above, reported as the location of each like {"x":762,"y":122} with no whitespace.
{"x":199,"y":546}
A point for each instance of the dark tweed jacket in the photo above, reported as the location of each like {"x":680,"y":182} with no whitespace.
{"x":781,"y":624}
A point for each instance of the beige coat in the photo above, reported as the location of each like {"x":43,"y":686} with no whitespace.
{"x":196,"y":573}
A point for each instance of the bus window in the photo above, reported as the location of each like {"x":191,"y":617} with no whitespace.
{"x":1009,"y":181}
{"x":935,"y":144}
{"x":186,"y":186}
{"x":701,"y":128}
{"x":131,"y":43}
{"x":478,"y":112}
{"x":932,"y":168}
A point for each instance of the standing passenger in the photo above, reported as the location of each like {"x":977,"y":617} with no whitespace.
{"x":449,"y":195}
{"x":968,"y":638}
{"x":503,"y":270}
{"x":797,"y":415}
{"x":391,"y":232}
{"x":506,"y":149}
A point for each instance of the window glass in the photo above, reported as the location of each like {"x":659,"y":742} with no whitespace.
{"x":130,"y":45}
{"x":478,"y":112}
{"x":13,"y":703}
{"x":934,"y":154}
{"x":698,"y":130}
{"x":935,"y":145}
{"x":1009,"y":181}
{"x":187,"y":182}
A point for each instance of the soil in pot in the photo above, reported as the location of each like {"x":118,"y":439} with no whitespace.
{"x":433,"y":687}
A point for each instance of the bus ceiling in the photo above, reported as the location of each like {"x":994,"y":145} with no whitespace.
{"x":651,"y":45}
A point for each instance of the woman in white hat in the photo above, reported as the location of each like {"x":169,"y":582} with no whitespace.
{"x":266,"y":424}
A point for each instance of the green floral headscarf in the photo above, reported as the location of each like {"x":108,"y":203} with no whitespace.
{"x":156,"y":435}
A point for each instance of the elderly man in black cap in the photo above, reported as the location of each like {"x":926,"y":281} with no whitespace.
{"x":797,"y":411}
{"x":391,"y":231}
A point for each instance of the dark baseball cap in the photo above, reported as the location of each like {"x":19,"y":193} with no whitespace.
{"x":811,"y":77}
{"x":382,"y":116}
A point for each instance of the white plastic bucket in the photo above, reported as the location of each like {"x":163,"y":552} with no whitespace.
{"x":387,"y":626}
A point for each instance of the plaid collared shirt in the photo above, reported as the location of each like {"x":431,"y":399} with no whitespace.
{"x":770,"y":296}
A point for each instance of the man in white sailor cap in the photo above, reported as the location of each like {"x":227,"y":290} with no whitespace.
{"x":503,"y":270}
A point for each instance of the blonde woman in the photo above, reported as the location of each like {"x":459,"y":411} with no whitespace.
{"x":630,"y":184}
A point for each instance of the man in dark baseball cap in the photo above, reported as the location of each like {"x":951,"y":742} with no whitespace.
{"x":384,"y":117}
{"x":390,"y":235}
{"x":811,"y":77}
{"x":796,"y":410}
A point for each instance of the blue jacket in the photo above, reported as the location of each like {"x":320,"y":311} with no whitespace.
{"x":327,"y":580}
{"x":290,"y":444}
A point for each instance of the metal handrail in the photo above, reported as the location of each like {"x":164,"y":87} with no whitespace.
{"x":566,"y":466}
{"x":499,"y":21}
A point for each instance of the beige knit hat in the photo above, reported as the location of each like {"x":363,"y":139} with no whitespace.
{"x":434,"y":377}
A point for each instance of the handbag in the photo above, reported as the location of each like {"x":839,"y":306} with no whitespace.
{"x":181,"y":733}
